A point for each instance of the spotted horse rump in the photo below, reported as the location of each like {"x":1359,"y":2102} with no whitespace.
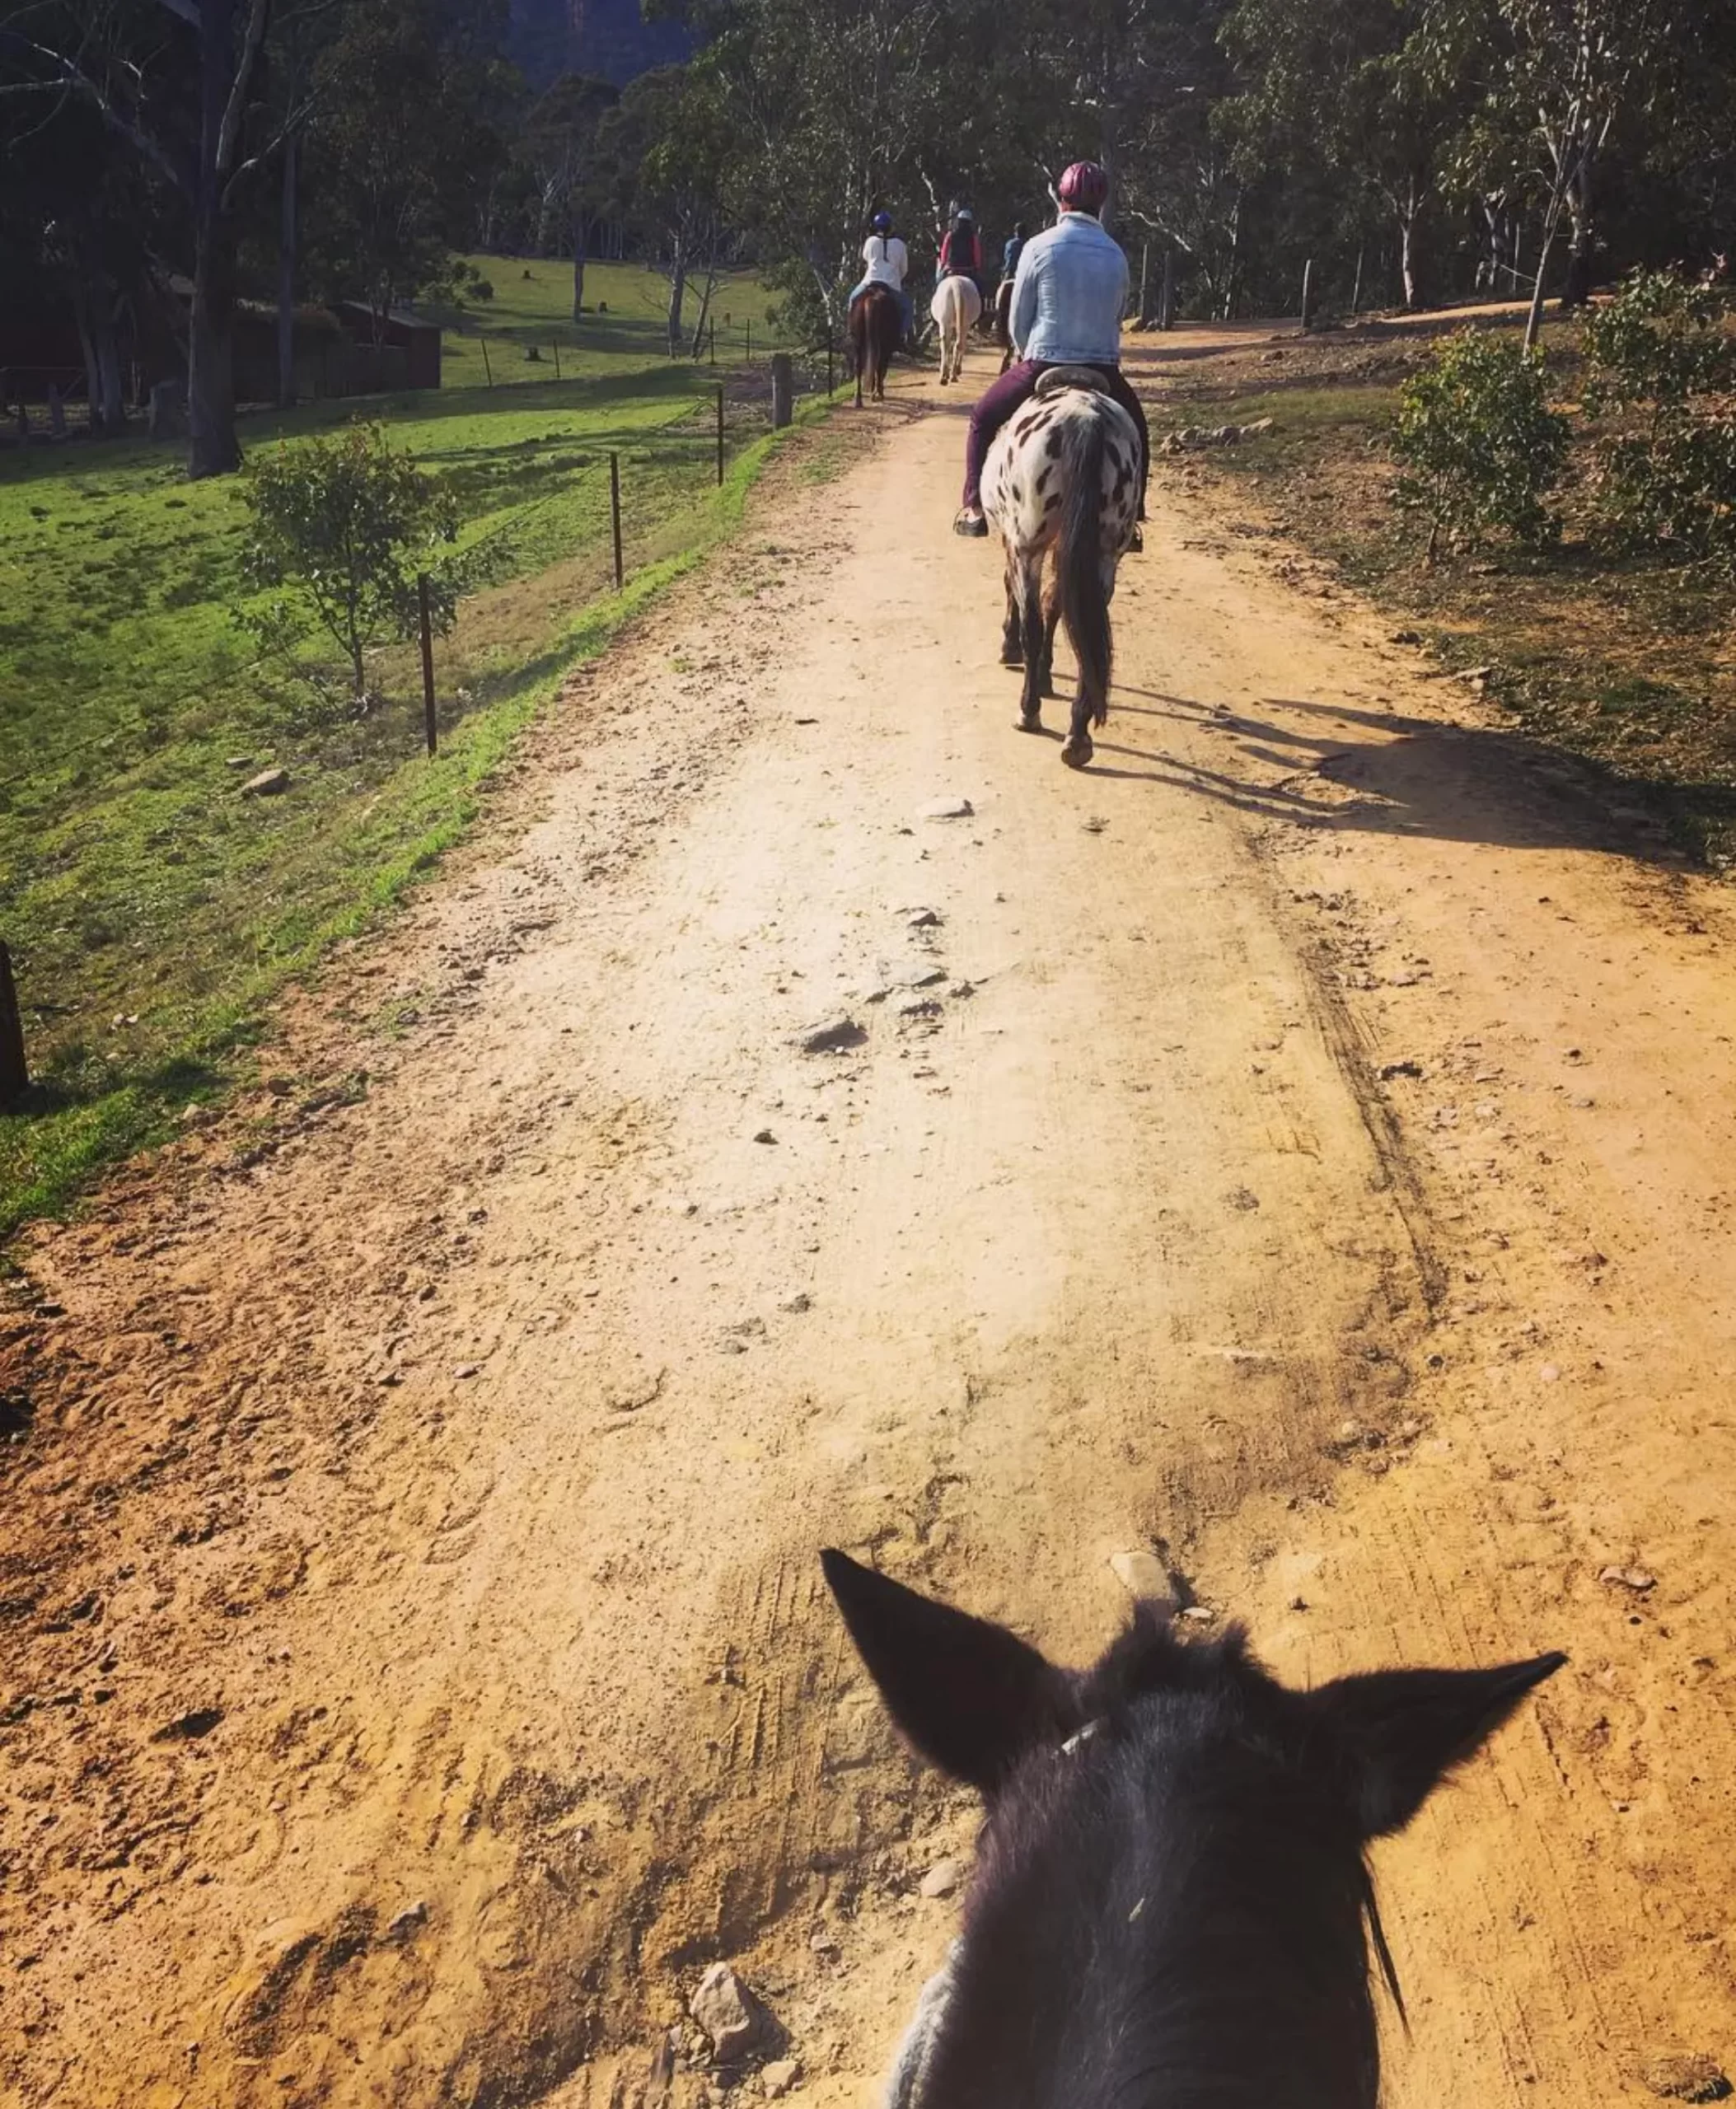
{"x":1060,"y":487}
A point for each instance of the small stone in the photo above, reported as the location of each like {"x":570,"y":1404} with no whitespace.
{"x":412,"y":1916}
{"x":464,"y":1369}
{"x":941,"y":1880}
{"x":1549,"y":1373}
{"x":733,"y":2019}
{"x":1409,"y":1430}
{"x":765,"y":1135}
{"x":1687,"y":2076}
{"x":779,"y":2077}
{"x":1201,"y":1614}
{"x":1243,"y":1199}
{"x":238,"y":761}
{"x":1629,"y":1578}
{"x":1142,"y":1575}
{"x":823,"y":1944}
{"x":1350,"y":1431}
{"x":1407,"y":1067}
{"x":949,"y":809}
{"x":926,"y":919}
{"x":832,"y":1035}
{"x":190,"y":1727}
{"x":267,"y":784}
{"x":798,"y":1304}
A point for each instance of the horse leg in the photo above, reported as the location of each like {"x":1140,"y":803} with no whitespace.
{"x":1012,"y":628}
{"x":1052,"y":616}
{"x":1033,"y":623}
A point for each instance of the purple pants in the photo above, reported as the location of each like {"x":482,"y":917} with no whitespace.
{"x":1016,"y":385}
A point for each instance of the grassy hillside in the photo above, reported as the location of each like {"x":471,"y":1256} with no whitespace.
{"x":150,"y":907}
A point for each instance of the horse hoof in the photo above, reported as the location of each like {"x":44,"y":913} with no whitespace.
{"x":1077,"y":752}
{"x":1011,"y":656}
{"x":1032,"y":724}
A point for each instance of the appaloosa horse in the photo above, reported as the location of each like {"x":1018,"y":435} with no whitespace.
{"x":1172,"y":1906}
{"x":876,"y":325}
{"x":1061,"y":487}
{"x":957,"y":304}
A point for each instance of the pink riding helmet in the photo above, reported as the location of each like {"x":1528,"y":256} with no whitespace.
{"x":1083,"y":188}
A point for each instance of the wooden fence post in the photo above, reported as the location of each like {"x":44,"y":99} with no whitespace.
{"x":1167,"y":299}
{"x":783,"y":391}
{"x":427,"y":662}
{"x":556,"y":358}
{"x":15,"y":1076}
{"x":615,"y":517}
{"x":1143,"y":311}
{"x":749,"y":325}
{"x":1308,"y":295}
{"x":486,"y":368}
{"x":720,"y":439}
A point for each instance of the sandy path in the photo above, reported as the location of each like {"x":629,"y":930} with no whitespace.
{"x":414,"y":1667}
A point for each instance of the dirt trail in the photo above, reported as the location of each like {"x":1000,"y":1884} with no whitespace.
{"x":1307,"y":1141}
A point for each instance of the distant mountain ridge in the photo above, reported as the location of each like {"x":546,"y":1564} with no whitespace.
{"x":609,"y":40}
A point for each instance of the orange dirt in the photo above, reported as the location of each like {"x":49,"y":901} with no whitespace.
{"x":1306,"y":1140}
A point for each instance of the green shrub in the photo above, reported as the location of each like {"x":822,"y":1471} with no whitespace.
{"x":1479,"y":448}
{"x":339,"y":529}
{"x":1660,"y":362}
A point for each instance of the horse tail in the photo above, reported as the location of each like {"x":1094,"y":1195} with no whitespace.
{"x":1078,"y":555}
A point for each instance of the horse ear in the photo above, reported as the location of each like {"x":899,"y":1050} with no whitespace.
{"x":971,"y":1697}
{"x":1405,"y":1730}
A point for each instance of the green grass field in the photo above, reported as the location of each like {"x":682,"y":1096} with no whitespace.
{"x":150,"y":907}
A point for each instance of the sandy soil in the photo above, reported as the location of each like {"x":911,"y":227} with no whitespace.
{"x":1304,"y":1143}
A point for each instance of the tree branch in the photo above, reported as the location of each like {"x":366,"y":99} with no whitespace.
{"x":259,"y":14}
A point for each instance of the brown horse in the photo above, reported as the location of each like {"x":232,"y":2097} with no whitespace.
{"x":876,"y":326}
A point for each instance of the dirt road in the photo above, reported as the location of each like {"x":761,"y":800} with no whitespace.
{"x":1304,"y":1143}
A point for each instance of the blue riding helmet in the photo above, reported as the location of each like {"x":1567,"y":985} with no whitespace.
{"x":882,"y":223}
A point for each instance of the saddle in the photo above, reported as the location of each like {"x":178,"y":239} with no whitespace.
{"x":1059,"y":377}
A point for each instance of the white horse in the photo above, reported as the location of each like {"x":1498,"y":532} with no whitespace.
{"x":955,"y":306}
{"x":1062,"y":480}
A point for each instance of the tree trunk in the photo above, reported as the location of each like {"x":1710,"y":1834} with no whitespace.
{"x":1582,"y":237}
{"x":210,"y":361}
{"x":215,"y":449}
{"x":581,"y":232}
{"x":677,"y":295}
{"x":105,"y":319}
{"x":87,"y":346}
{"x":285,"y":276}
{"x":706,"y":297}
{"x":1407,"y":256}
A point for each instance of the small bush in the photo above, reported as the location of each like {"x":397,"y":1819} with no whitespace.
{"x":343,"y":525}
{"x":1479,"y":447}
{"x":1660,"y":362}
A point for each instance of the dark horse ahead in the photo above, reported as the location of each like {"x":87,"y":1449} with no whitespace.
{"x":876,"y":325}
{"x":1172,"y":1906}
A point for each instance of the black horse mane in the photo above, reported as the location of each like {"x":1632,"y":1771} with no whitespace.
{"x":1111,"y":1948}
{"x":1147,"y":1657}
